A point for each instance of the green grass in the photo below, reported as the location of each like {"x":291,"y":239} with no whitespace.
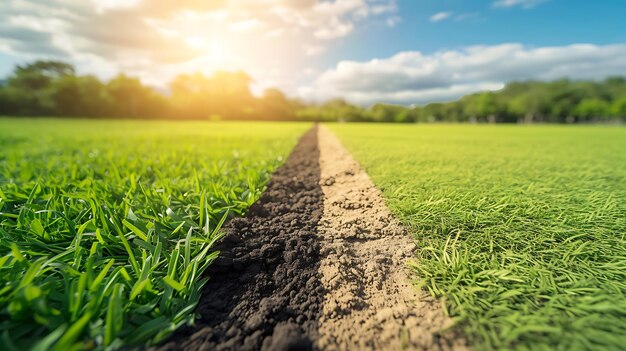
{"x":107,"y":226}
{"x":521,"y":229}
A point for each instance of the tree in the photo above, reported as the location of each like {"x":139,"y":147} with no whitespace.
{"x":38,"y":75}
{"x":483,"y":106}
{"x":531,"y":106}
{"x":592,"y":108}
{"x":6,"y":104}
{"x":29,"y":86}
{"x":433,"y":113}
{"x":225,"y":94}
{"x":618,"y":109}
{"x":125,"y":93}
{"x":94,"y":101}
{"x":66,"y":96}
{"x":129,"y":98}
{"x":52,"y":88}
{"x":390,"y":113}
{"x":274,"y":105}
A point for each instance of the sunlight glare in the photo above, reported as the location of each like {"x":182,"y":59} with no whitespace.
{"x":215,"y":50}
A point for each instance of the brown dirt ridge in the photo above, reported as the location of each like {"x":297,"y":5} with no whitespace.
{"x":370,"y":303}
{"x":318,"y":263}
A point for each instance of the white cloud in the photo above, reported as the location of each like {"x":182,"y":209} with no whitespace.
{"x":466,"y":16}
{"x":335,"y":30}
{"x":413,"y":77}
{"x":393,"y":21}
{"x":440,"y":16}
{"x":310,"y":71}
{"x":330,"y":19}
{"x":247,"y":25}
{"x":379,"y":9}
{"x":275,"y":33}
{"x":314,"y":50}
{"x":157,"y":39}
{"x":104,"y":5}
{"x":527,"y":4}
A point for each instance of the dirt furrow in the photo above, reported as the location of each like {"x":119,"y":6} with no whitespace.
{"x":369,"y":302}
{"x":264,"y":291}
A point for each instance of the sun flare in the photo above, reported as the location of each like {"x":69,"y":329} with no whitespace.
{"x":214,"y":50}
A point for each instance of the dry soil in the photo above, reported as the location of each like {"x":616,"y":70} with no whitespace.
{"x":370,"y":303}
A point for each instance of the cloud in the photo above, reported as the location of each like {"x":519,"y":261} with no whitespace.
{"x":314,"y":50}
{"x":246,"y":25}
{"x":104,"y":5}
{"x":329,"y":19}
{"x":466,"y":16}
{"x":384,"y":8}
{"x":158,"y":38}
{"x":526,"y":4}
{"x":393,"y":21}
{"x":440,"y":16}
{"x":413,"y":77}
{"x":335,"y":29}
{"x":29,"y":41}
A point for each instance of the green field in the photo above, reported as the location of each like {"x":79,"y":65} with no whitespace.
{"x":106,"y":226}
{"x":521,"y":229}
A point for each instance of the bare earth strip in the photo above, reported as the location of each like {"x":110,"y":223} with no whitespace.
{"x":369,"y":302}
{"x":318,"y":263}
{"x":264,"y":291}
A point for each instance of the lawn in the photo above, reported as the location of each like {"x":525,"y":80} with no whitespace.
{"x":521,"y":230}
{"x":107,"y":226}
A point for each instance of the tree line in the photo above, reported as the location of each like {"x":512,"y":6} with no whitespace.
{"x":52,"y":88}
{"x":561,"y":101}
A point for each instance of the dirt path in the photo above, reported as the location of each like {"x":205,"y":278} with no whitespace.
{"x":370,"y":303}
{"x":318,"y":263}
{"x":264,"y":291}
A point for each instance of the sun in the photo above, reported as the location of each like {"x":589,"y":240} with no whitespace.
{"x":214,"y":50}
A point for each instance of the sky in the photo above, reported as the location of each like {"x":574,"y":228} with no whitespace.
{"x":365,"y":51}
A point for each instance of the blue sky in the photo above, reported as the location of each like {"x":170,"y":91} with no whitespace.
{"x":548,"y":23}
{"x":396,"y":51}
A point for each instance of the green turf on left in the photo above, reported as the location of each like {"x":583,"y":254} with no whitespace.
{"x":107,"y":226}
{"x":521,"y":229}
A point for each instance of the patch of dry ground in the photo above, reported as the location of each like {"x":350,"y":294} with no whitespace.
{"x":369,"y":302}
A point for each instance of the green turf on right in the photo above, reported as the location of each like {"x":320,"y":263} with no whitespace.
{"x":521,"y":229}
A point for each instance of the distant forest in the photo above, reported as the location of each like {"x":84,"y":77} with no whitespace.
{"x":51,"y":88}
